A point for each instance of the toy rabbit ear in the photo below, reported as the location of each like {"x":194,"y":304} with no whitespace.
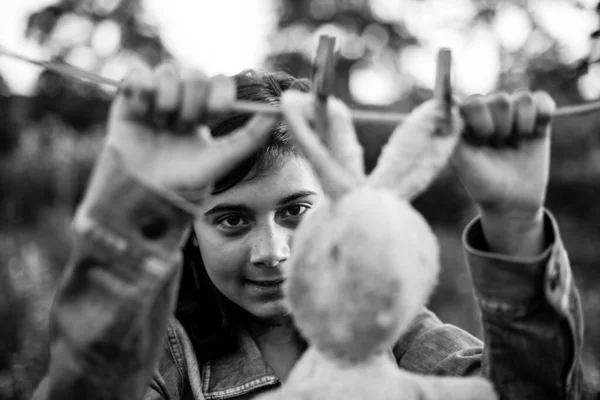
{"x":419,"y":148}
{"x":341,"y":140}
{"x":332,"y":120}
{"x":337,"y":159}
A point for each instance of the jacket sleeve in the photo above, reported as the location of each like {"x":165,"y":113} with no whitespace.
{"x":110,"y":313}
{"x":531,"y":313}
{"x":532,"y":324}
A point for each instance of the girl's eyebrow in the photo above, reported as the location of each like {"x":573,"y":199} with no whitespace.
{"x":233,"y":207}
{"x":295,"y":196}
{"x":227,"y":207}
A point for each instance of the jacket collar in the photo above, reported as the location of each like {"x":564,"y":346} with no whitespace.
{"x":238,"y":373}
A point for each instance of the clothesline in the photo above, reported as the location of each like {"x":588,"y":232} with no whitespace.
{"x":253,"y":107}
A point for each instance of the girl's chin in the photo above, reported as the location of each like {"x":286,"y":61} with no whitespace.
{"x":275,"y":312}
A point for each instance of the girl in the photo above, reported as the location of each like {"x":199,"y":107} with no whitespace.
{"x":232,"y":336}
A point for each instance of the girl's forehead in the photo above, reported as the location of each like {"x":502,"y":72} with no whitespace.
{"x":288,"y":177}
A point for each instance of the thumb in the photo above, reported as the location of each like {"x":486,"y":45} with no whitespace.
{"x":194,"y":162}
{"x":544,"y":107}
{"x":229,"y":150}
{"x":135,"y":95}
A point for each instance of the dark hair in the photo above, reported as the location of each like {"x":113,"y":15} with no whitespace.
{"x":208,"y":317}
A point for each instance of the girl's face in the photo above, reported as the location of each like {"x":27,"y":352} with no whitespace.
{"x":245,"y":235}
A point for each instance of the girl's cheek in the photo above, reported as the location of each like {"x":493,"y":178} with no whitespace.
{"x":231,"y":259}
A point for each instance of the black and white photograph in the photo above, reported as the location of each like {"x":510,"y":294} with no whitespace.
{"x":299,"y":199}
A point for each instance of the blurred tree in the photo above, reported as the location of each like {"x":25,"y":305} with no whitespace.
{"x":363,"y":39}
{"x":386,"y":61}
{"x":104,"y":36}
{"x":377,"y":41}
{"x":8,"y":128}
{"x":11,"y":307}
{"x":366,"y":47}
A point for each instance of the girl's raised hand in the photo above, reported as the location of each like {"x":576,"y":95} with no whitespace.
{"x":504,"y":164}
{"x":154,"y":126}
{"x":504,"y":159}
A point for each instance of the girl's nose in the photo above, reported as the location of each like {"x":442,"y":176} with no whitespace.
{"x":271,"y":246}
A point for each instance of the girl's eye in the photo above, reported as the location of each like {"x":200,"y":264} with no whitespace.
{"x":295,"y":211}
{"x":232,"y":221}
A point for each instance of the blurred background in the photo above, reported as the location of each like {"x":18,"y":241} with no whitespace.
{"x":51,"y":126}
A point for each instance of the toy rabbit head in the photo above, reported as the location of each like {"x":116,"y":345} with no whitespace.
{"x":365,"y":262}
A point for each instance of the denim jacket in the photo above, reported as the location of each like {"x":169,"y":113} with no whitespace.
{"x":113,"y":334}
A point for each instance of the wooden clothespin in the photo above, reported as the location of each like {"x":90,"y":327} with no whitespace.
{"x":323,"y":80}
{"x":443,"y":86}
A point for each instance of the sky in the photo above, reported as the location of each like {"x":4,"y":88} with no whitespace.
{"x":237,"y":39}
{"x":185,"y":26}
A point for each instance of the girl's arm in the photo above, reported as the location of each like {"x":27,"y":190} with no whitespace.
{"x":111,"y":310}
{"x":520,"y":270}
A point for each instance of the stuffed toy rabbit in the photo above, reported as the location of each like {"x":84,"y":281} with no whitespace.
{"x":365,"y":262}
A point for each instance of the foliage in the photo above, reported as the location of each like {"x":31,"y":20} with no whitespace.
{"x":42,"y":181}
{"x":98,"y":35}
{"x":8,"y":129}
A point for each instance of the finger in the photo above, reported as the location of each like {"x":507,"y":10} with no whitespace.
{"x":135,"y":97}
{"x":194,"y":99}
{"x":544,"y":108}
{"x":524,"y":112}
{"x":501,"y":108}
{"x":221,"y":97}
{"x":335,"y":180}
{"x":203,"y":133}
{"x":222,"y":94}
{"x":479,"y":123}
{"x":168,"y":93}
{"x":228,"y":150}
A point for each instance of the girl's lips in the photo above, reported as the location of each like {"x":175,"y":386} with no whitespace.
{"x":271,"y":288}
{"x":267,"y":283}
